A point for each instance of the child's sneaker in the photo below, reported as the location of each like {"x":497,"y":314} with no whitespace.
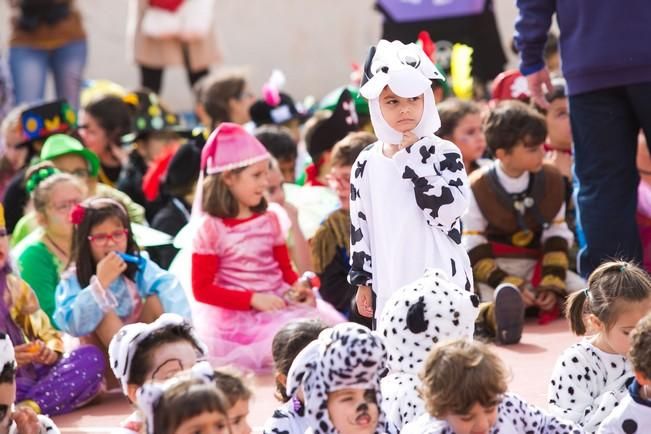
{"x":509,"y":314}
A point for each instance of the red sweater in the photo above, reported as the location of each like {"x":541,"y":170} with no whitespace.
{"x":206,"y":267}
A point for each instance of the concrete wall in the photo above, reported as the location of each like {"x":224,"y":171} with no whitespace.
{"x":312,"y":41}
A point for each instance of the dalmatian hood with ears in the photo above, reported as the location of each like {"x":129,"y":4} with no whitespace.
{"x":7,"y":354}
{"x":345,"y":356}
{"x":419,"y":315}
{"x":407,"y":71}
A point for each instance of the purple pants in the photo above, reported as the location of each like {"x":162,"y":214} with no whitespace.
{"x":68,"y":384}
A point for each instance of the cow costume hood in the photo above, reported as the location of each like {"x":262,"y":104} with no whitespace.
{"x":407,"y":71}
{"x":347,"y":355}
{"x":7,"y":354}
{"x":419,"y":315}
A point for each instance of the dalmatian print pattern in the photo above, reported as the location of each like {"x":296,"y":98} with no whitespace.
{"x":47,"y":426}
{"x":346,"y":355}
{"x":630,"y":417}
{"x":514,"y":416}
{"x":587,"y":384}
{"x":430,"y":310}
{"x":429,"y":174}
{"x":287,"y":420}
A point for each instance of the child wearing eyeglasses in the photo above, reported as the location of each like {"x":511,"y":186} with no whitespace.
{"x":109,"y":283}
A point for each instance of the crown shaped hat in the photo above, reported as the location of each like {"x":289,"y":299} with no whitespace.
{"x":231,"y":147}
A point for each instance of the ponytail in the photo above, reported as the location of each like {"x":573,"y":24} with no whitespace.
{"x":575,"y":309}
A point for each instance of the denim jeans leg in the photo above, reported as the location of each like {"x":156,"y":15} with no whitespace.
{"x":28,"y":68}
{"x":68,"y":63}
{"x":605,"y":129}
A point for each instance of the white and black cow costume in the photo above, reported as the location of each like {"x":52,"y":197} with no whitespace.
{"x":7,"y":359}
{"x":514,"y":416}
{"x":632,"y":415}
{"x":347,"y":355}
{"x":417,"y":316}
{"x":406,"y":211}
{"x":587,"y":384}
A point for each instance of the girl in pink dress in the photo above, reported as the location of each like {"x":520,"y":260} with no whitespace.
{"x":242,"y":276}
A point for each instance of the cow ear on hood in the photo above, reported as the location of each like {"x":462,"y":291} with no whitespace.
{"x":302,"y":367}
{"x":367,"y":74}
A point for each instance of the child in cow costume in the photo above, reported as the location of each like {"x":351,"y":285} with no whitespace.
{"x":409,"y":189}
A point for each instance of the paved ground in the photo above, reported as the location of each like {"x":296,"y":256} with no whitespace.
{"x":530,"y":362}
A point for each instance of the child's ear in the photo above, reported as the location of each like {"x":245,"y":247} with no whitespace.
{"x":500,"y":154}
{"x":41,"y":218}
{"x":131,"y":392}
{"x":281,"y":378}
{"x":595,"y":323}
{"x":228,"y":177}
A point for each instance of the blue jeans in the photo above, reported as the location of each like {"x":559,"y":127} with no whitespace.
{"x":29,"y":68}
{"x":605,"y":126}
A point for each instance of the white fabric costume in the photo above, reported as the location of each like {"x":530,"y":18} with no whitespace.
{"x":632,"y":415}
{"x":405,"y":211}
{"x":587,"y":384}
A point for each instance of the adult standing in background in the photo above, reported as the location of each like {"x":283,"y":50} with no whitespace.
{"x":609,"y":86}
{"x":163,"y":33}
{"x":46,"y":35}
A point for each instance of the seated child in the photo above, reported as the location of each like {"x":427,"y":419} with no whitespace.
{"x":140,"y":353}
{"x":242,"y":277}
{"x":331,"y":242}
{"x":282,"y":147}
{"x":461,"y":123}
{"x":23,"y":419}
{"x":340,"y":376}
{"x":103,"y":289}
{"x":634,"y":412}
{"x":409,"y":189}
{"x":416,"y":317}
{"x":590,"y":378}
{"x":237,"y":395}
{"x":187,"y":403}
{"x":515,"y":230}
{"x":464,"y":386}
{"x":558,"y":146}
{"x":288,"y":342}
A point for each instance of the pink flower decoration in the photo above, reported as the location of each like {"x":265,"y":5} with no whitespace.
{"x":77,"y":214}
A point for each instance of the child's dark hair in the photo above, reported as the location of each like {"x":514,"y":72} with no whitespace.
{"x":8,"y":373}
{"x":346,"y":150}
{"x":113,"y":115}
{"x":287,"y":343}
{"x":216,"y":90}
{"x":609,"y":286}
{"x":511,"y":122}
{"x":189,"y":398}
{"x":141,"y":361}
{"x":310,"y":128}
{"x":96,"y":211}
{"x":232,"y":385}
{"x":640,"y":354}
{"x":459,"y":374}
{"x":218,"y":201}
{"x":278,"y":141}
{"x":451,"y":111}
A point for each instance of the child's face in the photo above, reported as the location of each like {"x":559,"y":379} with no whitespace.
{"x":617,"y":339}
{"x":249,"y":186}
{"x":402,"y":114}
{"x":108,"y":236}
{"x":558,"y":125}
{"x":353,"y":411}
{"x":275,"y":192}
{"x":523,"y":158}
{"x":469,"y":137}
{"x":237,"y":415}
{"x":92,"y":134}
{"x":204,"y":423}
{"x":7,"y":398}
{"x":479,"y":420}
{"x":63,"y":196}
{"x":74,"y":164}
{"x":156,"y":144}
{"x":16,"y":156}
{"x":339,"y":181}
{"x":288,"y":169}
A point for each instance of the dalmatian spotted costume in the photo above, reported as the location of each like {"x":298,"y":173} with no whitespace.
{"x":632,"y":416}
{"x":8,"y":356}
{"x":417,"y":316}
{"x":514,"y":416}
{"x":408,"y":206}
{"x":347,"y":355}
{"x":587,"y":384}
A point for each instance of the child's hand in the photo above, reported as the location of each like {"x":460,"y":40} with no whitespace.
{"x":546,"y":300}
{"x":267,"y":302}
{"x":364,"y":301}
{"x":109,"y":268}
{"x":26,"y":420}
{"x":301,"y":293}
{"x":45,"y":355}
{"x":26,"y":353}
{"x":408,"y":139}
{"x":529,"y":297}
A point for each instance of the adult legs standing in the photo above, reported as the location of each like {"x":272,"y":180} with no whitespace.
{"x":28,"y":68}
{"x":67,"y":64}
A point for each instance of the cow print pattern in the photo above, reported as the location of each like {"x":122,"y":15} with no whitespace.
{"x":417,"y":316}
{"x":630,"y":417}
{"x":587,"y":384}
{"x":287,"y":420}
{"x":514,"y":416}
{"x":346,"y":355}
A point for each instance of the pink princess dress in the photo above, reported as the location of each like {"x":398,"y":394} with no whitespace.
{"x":232,"y":259}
